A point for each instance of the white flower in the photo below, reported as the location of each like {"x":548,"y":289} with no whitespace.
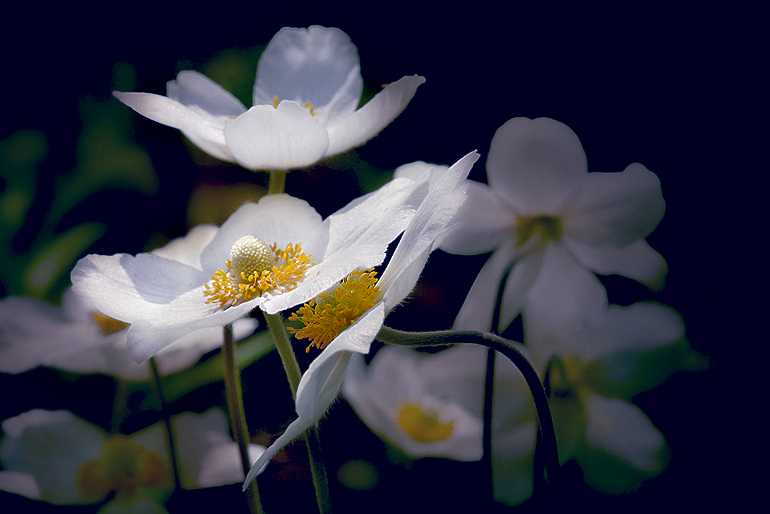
{"x":59,"y":458}
{"x":395,"y":397}
{"x":306,"y":98}
{"x":544,"y":214}
{"x":340,"y":333}
{"x":77,"y":337}
{"x":274,"y":254}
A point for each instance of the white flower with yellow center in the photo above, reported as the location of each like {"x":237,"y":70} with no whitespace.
{"x":306,"y":98}
{"x":396,"y":399}
{"x":346,"y":318}
{"x":57,"y":457}
{"x":275,"y":254}
{"x":543,"y":214}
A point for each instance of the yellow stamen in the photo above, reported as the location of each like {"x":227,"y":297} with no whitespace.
{"x":254,"y":269}
{"x":308,"y":105}
{"x":423,"y":426}
{"x":547,"y":227}
{"x":329,"y":313}
{"x":107,"y":325}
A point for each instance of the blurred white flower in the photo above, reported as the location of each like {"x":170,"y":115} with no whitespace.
{"x":543,"y":214}
{"x":306,"y":98}
{"x":397,"y":401}
{"x":274,"y":254}
{"x":59,"y":458}
{"x":346,"y":318}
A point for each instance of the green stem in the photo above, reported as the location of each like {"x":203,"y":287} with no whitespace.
{"x":446,"y":337}
{"x":277,"y":182}
{"x":168,"y":429}
{"x":119,"y":405}
{"x":312,"y":440}
{"x":237,"y":415}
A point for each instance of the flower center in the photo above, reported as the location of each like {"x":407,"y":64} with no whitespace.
{"x":423,"y":425}
{"x":331,"y":312}
{"x":547,"y":227}
{"x":107,"y":325}
{"x":123,"y":467}
{"x":255,"y":268}
{"x":565,"y":378}
{"x":308,"y":105}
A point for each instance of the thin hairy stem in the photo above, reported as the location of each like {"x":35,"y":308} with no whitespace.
{"x":168,"y":429}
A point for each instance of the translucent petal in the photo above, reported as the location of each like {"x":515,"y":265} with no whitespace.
{"x":536,"y":166}
{"x":195,"y":90}
{"x":356,"y":128}
{"x":276,"y":138}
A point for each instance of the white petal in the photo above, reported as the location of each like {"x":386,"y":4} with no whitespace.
{"x":282,"y":138}
{"x":20,"y":483}
{"x":636,"y":260}
{"x":195,"y":90}
{"x":616,"y":208}
{"x":513,"y":460}
{"x":536,"y":166}
{"x":356,"y":128}
{"x":204,"y":129}
{"x":317,"y":65}
{"x":187,"y":249}
{"x":622,"y":430}
{"x":444,"y":198}
{"x":481,"y":224}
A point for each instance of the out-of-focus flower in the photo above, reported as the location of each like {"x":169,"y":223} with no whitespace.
{"x":306,"y":98}
{"x":346,"y":318}
{"x":394,"y":397}
{"x":544,"y":214}
{"x":59,"y":458}
{"x":274,"y":254}
{"x":77,"y":337}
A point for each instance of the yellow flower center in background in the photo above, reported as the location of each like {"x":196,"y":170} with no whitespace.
{"x":423,"y":426}
{"x":548,"y":227}
{"x":123,"y":467}
{"x":255,"y":268}
{"x":331,"y":312}
{"x":107,"y":325}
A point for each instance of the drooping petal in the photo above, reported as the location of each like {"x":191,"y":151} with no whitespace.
{"x":204,"y":129}
{"x":481,"y":224}
{"x":317,"y":65}
{"x":276,"y":138}
{"x":445,"y":196}
{"x":617,"y":430}
{"x":477,"y":311}
{"x":536,"y":166}
{"x":356,"y":128}
{"x":636,"y":260}
{"x":616,"y":208}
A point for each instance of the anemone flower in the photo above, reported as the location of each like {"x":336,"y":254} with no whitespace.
{"x":306,"y":100}
{"x":275,"y":254}
{"x":346,"y":318}
{"x":543,"y":214}
{"x":59,"y":458}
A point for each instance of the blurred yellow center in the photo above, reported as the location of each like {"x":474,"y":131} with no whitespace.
{"x":423,"y":426}
{"x":123,"y":467}
{"x":547,"y":227}
{"x":331,"y":312}
{"x":107,"y":325}
{"x":255,"y":268}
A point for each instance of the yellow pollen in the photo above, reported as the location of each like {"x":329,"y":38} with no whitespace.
{"x":329,"y":313}
{"x":548,"y":227}
{"x":308,"y":105}
{"x":123,"y":467}
{"x":254,"y":269}
{"x":423,"y":426}
{"x":107,"y":325}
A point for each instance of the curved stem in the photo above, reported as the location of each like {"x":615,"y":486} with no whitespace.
{"x":312,"y":440}
{"x":446,"y":337}
{"x":237,"y":414}
{"x":486,"y":435}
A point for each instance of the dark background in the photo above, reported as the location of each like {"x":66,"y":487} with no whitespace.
{"x":673,"y":87}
